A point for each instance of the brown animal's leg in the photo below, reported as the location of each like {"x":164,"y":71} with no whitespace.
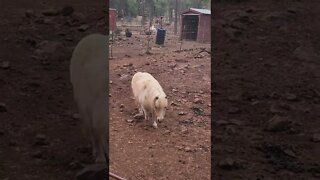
{"x":141,"y":112}
{"x":154,"y":118}
{"x":147,"y":117}
{"x":146,"y":114}
{"x":87,"y":128}
{"x":99,"y":126}
{"x":140,"y":109}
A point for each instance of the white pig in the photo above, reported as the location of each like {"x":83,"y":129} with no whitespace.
{"x":149,"y":97}
{"x":89,"y":77}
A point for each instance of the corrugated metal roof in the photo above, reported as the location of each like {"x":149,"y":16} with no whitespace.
{"x":202,"y":11}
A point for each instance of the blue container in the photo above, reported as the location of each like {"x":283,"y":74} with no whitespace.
{"x":161,"y":34}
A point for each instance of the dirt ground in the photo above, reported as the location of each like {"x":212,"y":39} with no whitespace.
{"x":265,"y":95}
{"x":39,"y":130}
{"x":266,"y":90}
{"x":180,"y":147}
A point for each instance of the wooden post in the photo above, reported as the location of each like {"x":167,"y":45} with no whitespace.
{"x":111,"y":50}
{"x":176,"y":17}
{"x":150,"y":23}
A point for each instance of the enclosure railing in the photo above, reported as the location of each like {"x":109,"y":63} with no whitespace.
{"x":115,"y":176}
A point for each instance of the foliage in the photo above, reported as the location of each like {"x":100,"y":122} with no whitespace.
{"x":133,"y":7}
{"x":201,"y":4}
{"x":160,"y":7}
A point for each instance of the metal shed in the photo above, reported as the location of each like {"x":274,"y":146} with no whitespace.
{"x":196,"y":25}
{"x":112,"y":19}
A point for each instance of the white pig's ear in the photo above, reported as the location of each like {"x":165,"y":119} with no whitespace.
{"x":155,"y":99}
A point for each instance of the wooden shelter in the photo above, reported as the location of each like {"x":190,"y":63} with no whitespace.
{"x":196,"y":25}
{"x":112,"y":19}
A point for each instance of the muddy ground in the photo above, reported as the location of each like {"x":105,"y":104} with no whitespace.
{"x":265,"y":96}
{"x":39,"y":130}
{"x":266,"y":90}
{"x":180,"y":147}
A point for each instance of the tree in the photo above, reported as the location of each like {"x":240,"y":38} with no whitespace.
{"x":161,"y":7}
{"x":195,"y":4}
{"x":157,"y":7}
{"x":133,"y":6}
{"x":176,"y":17}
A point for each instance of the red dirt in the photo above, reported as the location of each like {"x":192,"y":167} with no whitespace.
{"x":265,"y":63}
{"x":39,"y":138}
{"x":180,"y":147}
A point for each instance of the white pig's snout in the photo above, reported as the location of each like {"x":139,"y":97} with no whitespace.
{"x":159,"y":120}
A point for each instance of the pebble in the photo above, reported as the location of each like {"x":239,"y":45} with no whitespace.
{"x":138,"y":116}
{"x":5,"y":65}
{"x":67,"y":10}
{"x":129,"y":120}
{"x":234,"y":98}
{"x":254,"y":103}
{"x":227,"y":163}
{"x":124,"y":77}
{"x":198,"y":110}
{"x":221,"y":122}
{"x":75,"y":165}
{"x":83,"y":27}
{"x":234,"y":110}
{"x":184,"y":130}
{"x":29,"y":14}
{"x":231,"y":164}
{"x":186,"y":121}
{"x":188,"y":149}
{"x":38,"y":154}
{"x":278,"y":123}
{"x":181,"y":113}
{"x":289,"y":153}
{"x":275,"y":109}
{"x":274,"y":95}
{"x":40,"y":137}
{"x":174,"y":104}
{"x":315,"y":137}
{"x":48,"y":21}
{"x":236,"y":122}
{"x":175,"y":90}
{"x":198,"y":101}
{"x":179,"y":147}
{"x":230,"y":130}
{"x":51,"y":12}
{"x":76,"y":116}
{"x":3,"y":107}
{"x":291,"y":97}
{"x":41,"y":140}
{"x":48,"y":48}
